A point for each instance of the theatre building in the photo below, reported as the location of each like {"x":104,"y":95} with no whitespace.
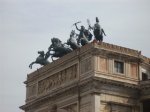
{"x":95,"y":78}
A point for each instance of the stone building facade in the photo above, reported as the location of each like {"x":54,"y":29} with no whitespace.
{"x":95,"y":78}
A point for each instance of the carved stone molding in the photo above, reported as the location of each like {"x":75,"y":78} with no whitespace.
{"x":55,"y":80}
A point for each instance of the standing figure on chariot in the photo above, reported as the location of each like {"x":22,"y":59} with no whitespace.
{"x":84,"y":36}
{"x":98,"y":31}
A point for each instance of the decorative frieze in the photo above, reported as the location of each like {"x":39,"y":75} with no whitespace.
{"x":57,"y":79}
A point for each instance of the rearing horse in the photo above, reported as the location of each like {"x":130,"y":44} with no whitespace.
{"x":58,"y":49}
{"x":41,"y":59}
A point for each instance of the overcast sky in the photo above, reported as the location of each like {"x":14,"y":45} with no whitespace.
{"x":27,"y":26}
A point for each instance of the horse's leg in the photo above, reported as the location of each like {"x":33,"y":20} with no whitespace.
{"x":30,"y":66}
{"x":52,"y":58}
{"x":47,"y":55}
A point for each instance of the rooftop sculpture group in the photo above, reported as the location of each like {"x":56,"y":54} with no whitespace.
{"x":58,"y":49}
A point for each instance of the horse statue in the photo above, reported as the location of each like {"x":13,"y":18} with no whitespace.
{"x":72,"y":41}
{"x":58,"y":49}
{"x":41,"y":59}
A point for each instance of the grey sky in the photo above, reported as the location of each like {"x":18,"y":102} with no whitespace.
{"x":26,"y":26}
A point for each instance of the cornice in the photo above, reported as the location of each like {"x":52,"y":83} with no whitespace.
{"x":116,"y":83}
{"x":145,"y":84}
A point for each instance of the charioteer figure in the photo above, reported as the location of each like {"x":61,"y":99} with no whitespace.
{"x":98,"y":31}
{"x":84,"y":36}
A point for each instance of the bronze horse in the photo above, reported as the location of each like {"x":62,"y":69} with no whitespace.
{"x":58,"y":49}
{"x":41,"y":59}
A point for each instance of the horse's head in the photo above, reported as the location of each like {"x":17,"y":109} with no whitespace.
{"x":72,"y":33}
{"x":41,"y":53}
{"x":56,"y":42}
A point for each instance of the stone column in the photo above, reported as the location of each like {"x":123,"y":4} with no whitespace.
{"x":127,"y":69}
{"x":95,"y":102}
{"x":110,"y":66}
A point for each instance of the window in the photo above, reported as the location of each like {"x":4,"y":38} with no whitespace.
{"x":146,"y":105}
{"x":119,"y":67}
{"x":144,"y":76}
